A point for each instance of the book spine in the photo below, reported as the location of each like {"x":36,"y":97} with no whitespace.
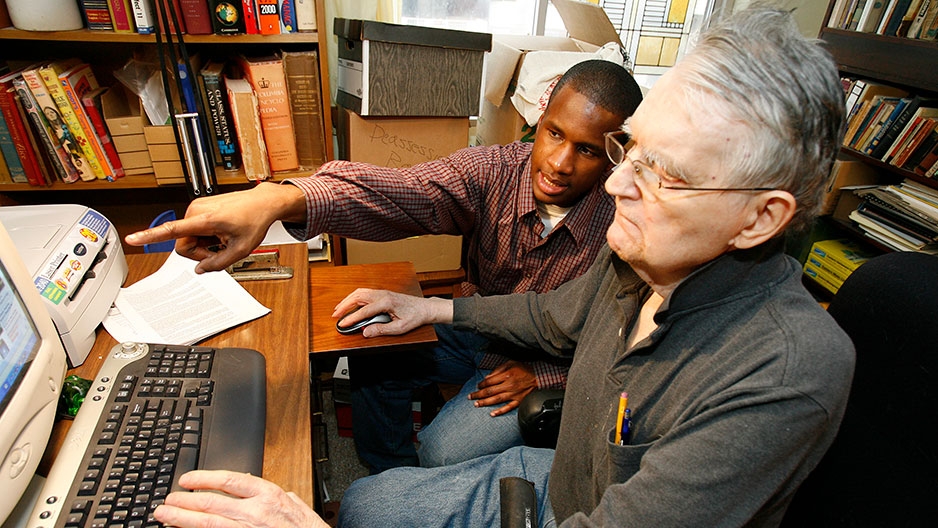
{"x":43,"y":163}
{"x":97,"y":15}
{"x":13,"y":164}
{"x":250,"y":17}
{"x":76,"y":85}
{"x":121,"y":16}
{"x":144,"y":19}
{"x":92,"y":107}
{"x":47,"y":106}
{"x":248,"y":128}
{"x":287,"y":16}
{"x":69,"y":115}
{"x":302,"y":74}
{"x":57,"y":155}
{"x":5,"y":176}
{"x":270,"y":87}
{"x":196,"y":17}
{"x":898,"y":124}
{"x":227,"y":143}
{"x":19,"y":135}
{"x":305,"y":15}
{"x":227,"y":17}
{"x":268,"y":17}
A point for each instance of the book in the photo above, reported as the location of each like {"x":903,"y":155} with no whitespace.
{"x":872,"y":13}
{"x":11,"y":158}
{"x":870,"y":90}
{"x":57,"y":124}
{"x":305,"y":15}
{"x":885,"y":124}
{"x":196,"y":17}
{"x":223,"y":133}
{"x":91,"y":103}
{"x":144,"y":17}
{"x":227,"y":17}
{"x":270,"y":86}
{"x":247,"y":122}
{"x":97,"y":14}
{"x":927,"y":161}
{"x":852,"y":94}
{"x":878,"y":116}
{"x":907,"y":19}
{"x":249,"y":9}
{"x":915,"y":27}
{"x":931,"y":26}
{"x":16,"y":126}
{"x":925,"y":145}
{"x":922,"y":131}
{"x":50,"y":76}
{"x":899,"y":121}
{"x":5,"y":177}
{"x":837,"y":13}
{"x":58,"y":157}
{"x":886,"y":16}
{"x":76,"y":82}
{"x":287,"y":16}
{"x":122,"y":17}
{"x":301,"y":69}
{"x":268,"y":17}
{"x":892,"y":24}
{"x":171,"y":6}
{"x":925,"y":22}
{"x":46,"y":171}
{"x":854,"y":21}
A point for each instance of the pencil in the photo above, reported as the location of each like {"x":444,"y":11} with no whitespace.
{"x":623,"y":403}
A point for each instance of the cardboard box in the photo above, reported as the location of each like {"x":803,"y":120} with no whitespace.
{"x":846,"y":173}
{"x":499,"y":122}
{"x":402,"y":142}
{"x":395,"y":70}
{"x":121,"y":113}
{"x":135,"y":160}
{"x":168,"y":172}
{"x":130,"y":142}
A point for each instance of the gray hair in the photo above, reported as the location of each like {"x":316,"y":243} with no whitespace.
{"x":783,"y":87}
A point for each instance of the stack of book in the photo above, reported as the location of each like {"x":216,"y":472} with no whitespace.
{"x":891,"y":125}
{"x":52,"y":127}
{"x":902,"y":217}
{"x":202,"y":17}
{"x":830,"y":262}
{"x":915,"y":19}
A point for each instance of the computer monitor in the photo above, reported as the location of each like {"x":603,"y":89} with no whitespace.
{"x":32,"y":368}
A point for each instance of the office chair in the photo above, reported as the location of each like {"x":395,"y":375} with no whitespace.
{"x":161,"y":247}
{"x":882,"y":469}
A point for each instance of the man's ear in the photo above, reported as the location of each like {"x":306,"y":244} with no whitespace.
{"x":769,"y":214}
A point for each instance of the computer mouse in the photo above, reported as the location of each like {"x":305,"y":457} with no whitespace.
{"x":382,"y":317}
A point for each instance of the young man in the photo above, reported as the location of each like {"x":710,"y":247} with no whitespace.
{"x":532,"y":217}
{"x":736,"y":378}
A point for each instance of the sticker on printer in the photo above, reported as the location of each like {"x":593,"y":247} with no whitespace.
{"x":66,"y":266}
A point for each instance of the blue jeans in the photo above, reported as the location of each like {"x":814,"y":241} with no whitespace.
{"x":461,"y":431}
{"x":382,"y":420}
{"x":461,"y":495}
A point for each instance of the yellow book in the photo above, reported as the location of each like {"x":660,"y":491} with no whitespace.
{"x":50,"y":76}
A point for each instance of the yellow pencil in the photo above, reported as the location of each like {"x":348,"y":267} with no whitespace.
{"x":623,"y":404}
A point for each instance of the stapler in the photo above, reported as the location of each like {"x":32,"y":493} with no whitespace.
{"x":261,"y":264}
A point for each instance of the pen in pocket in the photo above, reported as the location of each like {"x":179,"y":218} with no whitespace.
{"x":620,"y":416}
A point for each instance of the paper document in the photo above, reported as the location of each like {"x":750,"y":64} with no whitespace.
{"x":175,"y":306}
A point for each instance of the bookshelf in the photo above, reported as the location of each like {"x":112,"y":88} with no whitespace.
{"x":131,"y":202}
{"x":905,"y":63}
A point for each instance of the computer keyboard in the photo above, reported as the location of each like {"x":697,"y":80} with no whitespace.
{"x":153,"y":413}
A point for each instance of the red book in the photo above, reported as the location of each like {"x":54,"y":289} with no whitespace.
{"x":163,"y":5}
{"x":91,"y":102}
{"x":18,"y":132}
{"x":196,"y":17}
{"x":250,"y":17}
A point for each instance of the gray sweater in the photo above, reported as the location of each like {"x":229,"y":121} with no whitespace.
{"x":735,"y":396}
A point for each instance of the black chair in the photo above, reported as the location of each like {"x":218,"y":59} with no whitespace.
{"x":882,"y":469}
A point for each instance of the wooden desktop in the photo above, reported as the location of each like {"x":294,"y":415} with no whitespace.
{"x":282,"y":336}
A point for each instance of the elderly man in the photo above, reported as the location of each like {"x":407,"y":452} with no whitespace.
{"x":736,"y":378}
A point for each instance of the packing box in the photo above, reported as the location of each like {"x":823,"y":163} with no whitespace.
{"x":402,"y":142}
{"x":395,"y":70}
{"x":121,"y":113}
{"x":499,"y":122}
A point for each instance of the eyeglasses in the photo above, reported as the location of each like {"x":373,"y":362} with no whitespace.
{"x":616,"y":150}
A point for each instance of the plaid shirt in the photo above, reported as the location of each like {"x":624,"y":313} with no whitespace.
{"x":481,"y":193}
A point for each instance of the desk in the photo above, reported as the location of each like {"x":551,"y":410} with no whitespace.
{"x":282,"y":337}
{"x":328,"y":286}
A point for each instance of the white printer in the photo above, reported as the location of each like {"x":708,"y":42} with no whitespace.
{"x":75,"y":258}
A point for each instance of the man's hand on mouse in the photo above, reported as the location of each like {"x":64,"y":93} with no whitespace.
{"x":407,"y":311}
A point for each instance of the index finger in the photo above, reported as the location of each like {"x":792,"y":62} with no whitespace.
{"x":233,"y":483}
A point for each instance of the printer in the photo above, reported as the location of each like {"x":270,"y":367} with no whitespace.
{"x":77,"y":264}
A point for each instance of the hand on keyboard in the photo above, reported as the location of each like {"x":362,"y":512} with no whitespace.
{"x":252,"y":501}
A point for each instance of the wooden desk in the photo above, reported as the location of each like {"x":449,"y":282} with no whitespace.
{"x":329,"y":285}
{"x":282,"y":337}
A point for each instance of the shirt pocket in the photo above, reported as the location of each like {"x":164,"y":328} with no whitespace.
{"x":622,"y":461}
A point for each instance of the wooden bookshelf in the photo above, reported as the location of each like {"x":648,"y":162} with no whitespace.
{"x":130,"y":202}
